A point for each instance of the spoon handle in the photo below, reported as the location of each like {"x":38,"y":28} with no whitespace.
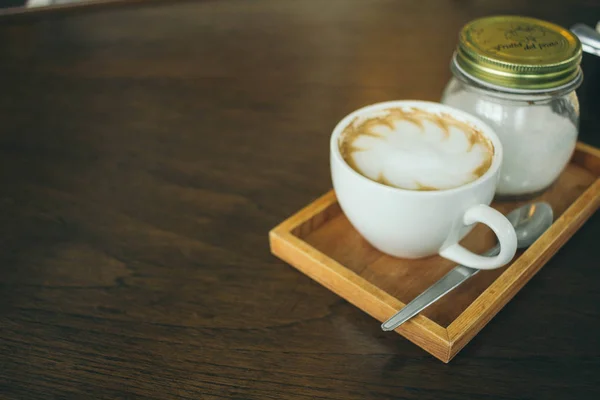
{"x":451,"y":280}
{"x":589,"y":38}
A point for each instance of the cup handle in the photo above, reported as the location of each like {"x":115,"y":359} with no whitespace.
{"x":503,"y":229}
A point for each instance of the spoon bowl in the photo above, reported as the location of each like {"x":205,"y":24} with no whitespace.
{"x":530,"y":222}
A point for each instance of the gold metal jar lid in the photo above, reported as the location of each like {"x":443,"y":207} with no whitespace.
{"x":519,"y":53}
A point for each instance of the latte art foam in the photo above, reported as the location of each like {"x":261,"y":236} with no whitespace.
{"x":415,"y":149}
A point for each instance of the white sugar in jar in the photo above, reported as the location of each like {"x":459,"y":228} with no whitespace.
{"x":519,"y":75}
{"x":538,"y":134}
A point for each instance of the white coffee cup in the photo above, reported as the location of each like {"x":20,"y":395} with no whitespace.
{"x":414,"y":224}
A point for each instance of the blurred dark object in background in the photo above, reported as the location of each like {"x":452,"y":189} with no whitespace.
{"x":12,"y":3}
{"x":588,"y":101}
{"x":35,"y":3}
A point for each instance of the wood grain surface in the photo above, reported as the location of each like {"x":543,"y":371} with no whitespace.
{"x":145,"y":152}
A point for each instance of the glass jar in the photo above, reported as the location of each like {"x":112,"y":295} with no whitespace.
{"x":538,"y":132}
{"x":525,"y":90}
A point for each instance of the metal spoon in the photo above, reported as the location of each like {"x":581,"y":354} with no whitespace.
{"x":530,"y":222}
{"x":589,"y":38}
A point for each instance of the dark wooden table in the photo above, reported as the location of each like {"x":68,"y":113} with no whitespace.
{"x":147,"y":149}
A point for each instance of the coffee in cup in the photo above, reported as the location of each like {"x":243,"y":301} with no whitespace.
{"x":415,"y":149}
{"x":413,"y":177}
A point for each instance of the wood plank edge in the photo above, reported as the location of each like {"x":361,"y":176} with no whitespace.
{"x":421,"y":331}
{"x":307,"y":212}
{"x":588,"y":157}
{"x":586,"y":148}
{"x":496,"y":296}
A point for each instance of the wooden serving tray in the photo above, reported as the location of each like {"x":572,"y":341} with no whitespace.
{"x":321,"y":243}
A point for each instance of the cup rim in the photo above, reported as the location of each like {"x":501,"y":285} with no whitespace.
{"x":429,"y":106}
